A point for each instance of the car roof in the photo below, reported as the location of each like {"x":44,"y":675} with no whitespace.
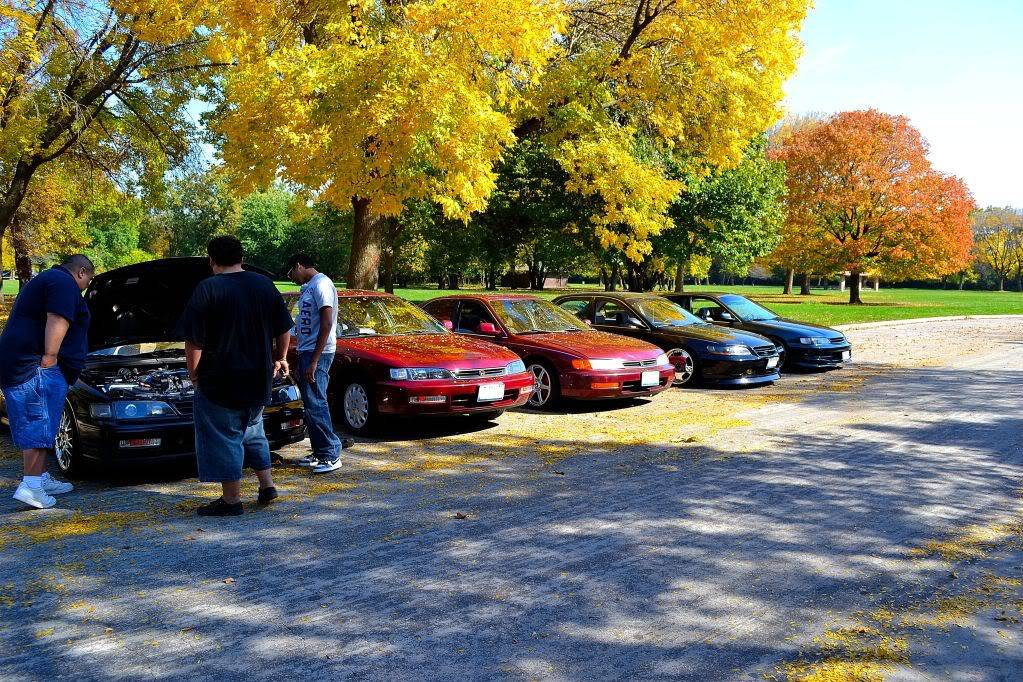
{"x":346,"y":293}
{"x":611,"y":294}
{"x":484,"y":297}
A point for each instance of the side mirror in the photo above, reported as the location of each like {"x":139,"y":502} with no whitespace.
{"x":488,"y":328}
{"x":448,"y":324}
{"x":588,"y":321}
{"x":726,"y":316}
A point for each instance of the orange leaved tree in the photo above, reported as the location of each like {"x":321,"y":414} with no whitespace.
{"x":863,"y":191}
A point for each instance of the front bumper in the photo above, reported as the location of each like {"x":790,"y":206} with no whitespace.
{"x":718,"y":371}
{"x":818,"y":357}
{"x":622,"y":383}
{"x":125,"y":441}
{"x":450,"y":396}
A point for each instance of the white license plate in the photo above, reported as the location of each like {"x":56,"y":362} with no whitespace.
{"x":772,"y":362}
{"x":650,"y":379}
{"x":846,"y":355}
{"x":488,"y":392}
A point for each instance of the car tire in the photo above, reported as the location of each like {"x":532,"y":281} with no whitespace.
{"x":67,"y":449}
{"x":486,"y":416}
{"x":546,"y":387}
{"x":357,"y":407}
{"x":685,"y":366}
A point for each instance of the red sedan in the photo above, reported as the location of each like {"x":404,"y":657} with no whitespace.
{"x":566,"y":357}
{"x":392,"y":358}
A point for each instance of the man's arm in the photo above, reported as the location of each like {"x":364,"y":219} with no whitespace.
{"x":326,"y":332}
{"x":192,"y":355}
{"x":281,"y":343}
{"x":56,"y":329}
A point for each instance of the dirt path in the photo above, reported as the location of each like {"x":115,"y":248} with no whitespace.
{"x":699,"y":535}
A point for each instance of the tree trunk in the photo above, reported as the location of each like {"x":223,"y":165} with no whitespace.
{"x":22,"y":261}
{"x":453,"y":280}
{"x":680,"y":279}
{"x":364,"y":266}
{"x":1001,"y":283}
{"x":877,"y":284}
{"x":790,"y":276}
{"x":389,"y":269}
{"x":804,"y":286}
{"x":614,"y":277}
{"x":854,"y":287}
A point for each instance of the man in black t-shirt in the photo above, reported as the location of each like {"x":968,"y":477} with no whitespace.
{"x":237,"y":329}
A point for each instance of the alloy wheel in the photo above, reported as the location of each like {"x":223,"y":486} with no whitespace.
{"x":356,"y":405}
{"x":64,"y":444}
{"x":543,"y":385}
{"x":685,"y":366}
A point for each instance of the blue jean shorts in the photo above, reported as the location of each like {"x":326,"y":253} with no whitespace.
{"x":34,"y":408}
{"x":228,"y":439}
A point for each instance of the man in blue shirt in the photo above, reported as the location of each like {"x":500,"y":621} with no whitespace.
{"x":43,"y":347}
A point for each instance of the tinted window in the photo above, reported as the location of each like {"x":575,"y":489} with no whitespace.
{"x":470,"y":315}
{"x":577,"y":307}
{"x":706,"y":309}
{"x":607,"y":312}
{"x":528,"y":315}
{"x":747,"y":309}
{"x":661,"y":312}
{"x":443,"y":309}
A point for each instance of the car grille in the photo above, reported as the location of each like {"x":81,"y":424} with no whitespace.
{"x":184,"y":407}
{"x":765,"y":351}
{"x":837,"y":339}
{"x":640,"y":363}
{"x":479,"y":373}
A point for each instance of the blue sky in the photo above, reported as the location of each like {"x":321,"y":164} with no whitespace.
{"x":955,"y":68}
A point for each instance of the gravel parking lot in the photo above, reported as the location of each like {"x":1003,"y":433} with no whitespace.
{"x":861,"y":522}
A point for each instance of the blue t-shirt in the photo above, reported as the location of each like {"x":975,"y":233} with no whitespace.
{"x":22,"y":342}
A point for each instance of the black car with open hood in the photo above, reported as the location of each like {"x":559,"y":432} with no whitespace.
{"x":701,"y":352}
{"x":804,"y":345}
{"x":133,"y":401}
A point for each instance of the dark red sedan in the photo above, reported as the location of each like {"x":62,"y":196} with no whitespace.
{"x":392,"y":358}
{"x":566,"y":358}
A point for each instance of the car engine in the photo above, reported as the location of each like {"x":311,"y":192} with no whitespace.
{"x":135,"y":384}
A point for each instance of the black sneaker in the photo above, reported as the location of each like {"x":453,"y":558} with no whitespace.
{"x":267,"y":495}
{"x":220,"y":508}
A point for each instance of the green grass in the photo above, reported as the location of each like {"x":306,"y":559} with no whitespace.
{"x":828,"y":307}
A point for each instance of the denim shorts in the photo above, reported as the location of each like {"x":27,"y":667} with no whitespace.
{"x":34,"y":408}
{"x":228,"y":439}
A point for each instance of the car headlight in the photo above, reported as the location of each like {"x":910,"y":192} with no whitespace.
{"x":662,"y":359}
{"x":736,"y":349}
{"x":608,"y":363}
{"x":813,"y":340}
{"x":101,"y":410}
{"x":515,"y":367}
{"x":140,"y":409}
{"x":420,"y":373}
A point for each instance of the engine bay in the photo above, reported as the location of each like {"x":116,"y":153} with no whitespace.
{"x":142,"y":383}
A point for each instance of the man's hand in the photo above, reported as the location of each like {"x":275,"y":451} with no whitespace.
{"x":48,"y":360}
{"x":281,"y":368}
{"x":310,"y":371}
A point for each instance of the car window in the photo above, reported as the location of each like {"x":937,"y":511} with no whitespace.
{"x":382,"y":315}
{"x":470,"y":315}
{"x":443,"y":309}
{"x":577,"y":307}
{"x":660,"y":312}
{"x":747,"y":309}
{"x":706,"y":309}
{"x":607,"y":312}
{"x":533,"y":316}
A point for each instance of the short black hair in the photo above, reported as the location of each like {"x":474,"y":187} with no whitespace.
{"x":303,"y":259}
{"x":77,"y":262}
{"x":225,"y":250}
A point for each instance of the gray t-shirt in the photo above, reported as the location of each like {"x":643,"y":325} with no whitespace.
{"x":316,"y":293}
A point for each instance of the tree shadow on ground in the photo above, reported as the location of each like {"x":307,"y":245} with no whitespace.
{"x":637,"y":561}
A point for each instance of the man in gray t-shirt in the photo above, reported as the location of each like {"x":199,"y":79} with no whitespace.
{"x":316,"y":332}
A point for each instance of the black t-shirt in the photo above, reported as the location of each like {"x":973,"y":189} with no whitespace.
{"x":234,"y":318}
{"x":22,"y":342}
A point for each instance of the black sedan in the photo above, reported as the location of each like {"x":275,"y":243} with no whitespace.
{"x":133,"y":401}
{"x":700,"y":351}
{"x":805,"y":346}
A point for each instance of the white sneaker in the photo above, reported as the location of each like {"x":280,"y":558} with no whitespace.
{"x":308,"y":461}
{"x":34,"y":497}
{"x":326,"y":467}
{"x":54,"y":487}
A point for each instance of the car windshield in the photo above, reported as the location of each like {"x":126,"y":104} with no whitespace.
{"x":532,"y":316}
{"x":133,"y":349}
{"x":661,"y":312}
{"x":747,"y":309}
{"x":383,"y":316}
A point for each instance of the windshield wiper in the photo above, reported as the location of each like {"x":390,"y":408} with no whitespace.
{"x":535,"y":331}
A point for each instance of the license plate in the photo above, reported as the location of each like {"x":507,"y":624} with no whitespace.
{"x":292,"y":424}
{"x":650,"y":379}
{"x":846,"y":355}
{"x":488,"y":392}
{"x":772,"y":362}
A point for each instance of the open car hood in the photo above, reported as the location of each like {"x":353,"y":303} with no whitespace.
{"x":144,"y":302}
